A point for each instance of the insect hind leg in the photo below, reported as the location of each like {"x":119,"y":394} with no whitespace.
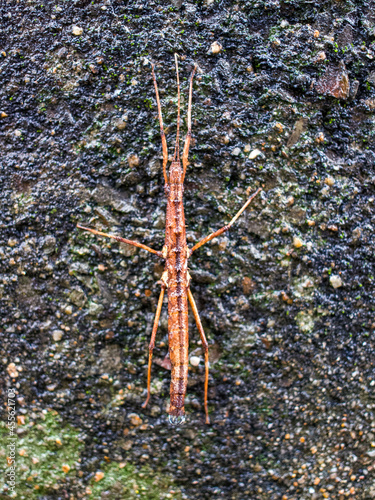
{"x":152,"y":341}
{"x":205,"y":348}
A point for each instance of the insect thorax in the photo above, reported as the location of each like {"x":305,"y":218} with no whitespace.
{"x":175,"y":173}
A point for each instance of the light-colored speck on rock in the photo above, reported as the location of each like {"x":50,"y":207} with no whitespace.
{"x":57,"y":335}
{"x":335,"y":281}
{"x":12,"y":370}
{"x":216,"y":47}
{"x":77,"y":31}
{"x":133,"y":160}
{"x":236,"y":151}
{"x":254,"y":154}
{"x":297,"y":242}
{"x":195,"y":360}
{"x":329,"y":181}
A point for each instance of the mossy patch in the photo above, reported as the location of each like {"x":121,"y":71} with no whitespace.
{"x":48,"y":454}
{"x":124,"y":481}
{"x":45,"y":449}
{"x":305,"y":321}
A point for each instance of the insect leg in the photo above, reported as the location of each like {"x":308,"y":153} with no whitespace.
{"x":188,"y":135}
{"x":225,"y":228}
{"x":152,"y":342}
{"x":123,"y":240}
{"x":205,"y":348}
{"x":163,"y":139}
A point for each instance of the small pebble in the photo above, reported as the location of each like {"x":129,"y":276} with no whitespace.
{"x":12,"y":370}
{"x":77,"y":31}
{"x":254,"y":154}
{"x":135,"y":419}
{"x":290,"y":201}
{"x":320,"y":138}
{"x":329,"y":181}
{"x":216,"y":47}
{"x":236,"y":151}
{"x":68,"y":310}
{"x":57,"y":335}
{"x":99,"y":475}
{"x":335,"y":281}
{"x":133,"y":160}
{"x":279,"y":127}
{"x":121,"y":123}
{"x":195,"y":360}
{"x":247,"y":148}
{"x":297,"y":242}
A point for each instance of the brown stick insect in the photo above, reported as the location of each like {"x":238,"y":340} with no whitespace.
{"x":176,"y":278}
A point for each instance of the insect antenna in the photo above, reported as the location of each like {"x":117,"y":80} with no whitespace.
{"x":176,"y":155}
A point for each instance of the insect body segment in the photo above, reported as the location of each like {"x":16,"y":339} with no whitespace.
{"x":176,"y":279}
{"x":177,"y":268}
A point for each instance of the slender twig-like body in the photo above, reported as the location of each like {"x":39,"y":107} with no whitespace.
{"x":176,"y":278}
{"x":178,"y":284}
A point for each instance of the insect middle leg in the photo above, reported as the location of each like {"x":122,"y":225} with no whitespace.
{"x":152,"y":341}
{"x":225,"y":228}
{"x":205,"y":348}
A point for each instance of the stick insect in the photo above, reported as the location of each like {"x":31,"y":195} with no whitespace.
{"x":176,"y":278}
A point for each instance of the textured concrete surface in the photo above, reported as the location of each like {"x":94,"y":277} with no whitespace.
{"x":284,"y":100}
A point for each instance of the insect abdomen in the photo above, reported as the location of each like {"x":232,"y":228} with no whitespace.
{"x":177,"y":299}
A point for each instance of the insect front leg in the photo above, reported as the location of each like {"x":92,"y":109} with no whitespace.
{"x":163,"y":139}
{"x":153,"y":335}
{"x":185,"y":153}
{"x":123,"y":240}
{"x":225,"y":228}
{"x":205,"y":349}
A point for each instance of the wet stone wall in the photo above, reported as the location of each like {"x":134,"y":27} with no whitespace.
{"x":283,"y":99}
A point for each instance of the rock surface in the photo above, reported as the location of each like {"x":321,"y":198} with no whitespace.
{"x":286,"y":299}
